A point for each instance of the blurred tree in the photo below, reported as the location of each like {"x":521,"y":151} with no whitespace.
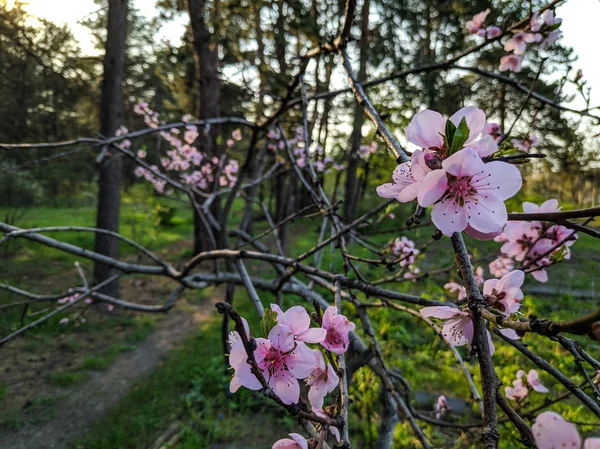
{"x":111,"y":118}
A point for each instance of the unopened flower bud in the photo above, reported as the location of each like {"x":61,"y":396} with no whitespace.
{"x":433,"y":161}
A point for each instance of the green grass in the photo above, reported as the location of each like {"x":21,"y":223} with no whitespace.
{"x":4,"y":390}
{"x":191,"y":385}
{"x":66,"y":378}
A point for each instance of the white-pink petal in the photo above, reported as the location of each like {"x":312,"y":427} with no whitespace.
{"x":432,"y":188}
{"x":426,"y":129}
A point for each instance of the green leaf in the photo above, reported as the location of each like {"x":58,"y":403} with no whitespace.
{"x":449,"y":133}
{"x":269,"y":320}
{"x":461,"y":135}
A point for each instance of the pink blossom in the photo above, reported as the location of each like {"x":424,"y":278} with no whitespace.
{"x":505,"y":294}
{"x":550,"y":431}
{"x":492,"y":129}
{"x":536,"y":22}
{"x":534,"y":382}
{"x":518,"y":237}
{"x":441,"y":406}
{"x":493,"y":32}
{"x":412,"y":273}
{"x":64,"y":321}
{"x":366,"y":150}
{"x":337,"y":327}
{"x":283,"y":361}
{"x":501,"y":266}
{"x":511,"y":62}
{"x":405,"y":250}
{"x":236,"y":134}
{"x":322,"y":380}
{"x":191,"y":134}
{"x":407,"y":178}
{"x":518,"y":43}
{"x":238,"y":360}
{"x":141,"y":154}
{"x":297,"y":442}
{"x":468,"y":192}
{"x":517,"y":392}
{"x":526,"y":143}
{"x":334,"y":430}
{"x":477,"y":21}
{"x":549,"y":18}
{"x":454,"y":287}
{"x":230,"y":143}
{"x":458,"y":327}
{"x":551,"y":38}
{"x":298,"y":320}
{"x":547,"y":206}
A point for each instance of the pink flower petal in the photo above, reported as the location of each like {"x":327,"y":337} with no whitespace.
{"x":441,"y":312}
{"x":312,"y":335}
{"x":286,"y":387}
{"x":425,"y":129}
{"x":488,"y":214}
{"x":432,"y":188}
{"x":501,"y":178}
{"x":281,"y":337}
{"x":463,"y":163}
{"x":449,"y":217}
{"x":301,"y":361}
{"x":551,"y":431}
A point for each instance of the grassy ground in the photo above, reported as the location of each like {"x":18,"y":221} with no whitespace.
{"x":190,"y":388}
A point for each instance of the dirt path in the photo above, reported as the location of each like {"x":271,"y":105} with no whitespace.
{"x":77,"y":411}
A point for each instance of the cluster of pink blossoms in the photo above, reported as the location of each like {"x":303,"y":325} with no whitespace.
{"x":365,"y":151}
{"x":404,"y":249}
{"x":542,"y":29}
{"x":552,"y":431}
{"x":449,"y":173}
{"x":284,"y":358}
{"x":321,"y":163}
{"x":194,"y":167}
{"x":475,"y":26}
{"x":520,"y":390}
{"x":504,"y":296}
{"x":534,"y":244}
{"x":441,"y":406}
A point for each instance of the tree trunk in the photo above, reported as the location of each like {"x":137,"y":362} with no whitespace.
{"x":351,"y":187}
{"x":206,"y":57}
{"x":111,"y":117}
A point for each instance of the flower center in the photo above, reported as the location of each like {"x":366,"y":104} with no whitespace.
{"x":334,"y":337}
{"x":318,"y":375}
{"x":461,"y":190}
{"x":274,"y":361}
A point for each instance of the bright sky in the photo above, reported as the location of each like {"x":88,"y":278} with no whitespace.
{"x":580,"y":18}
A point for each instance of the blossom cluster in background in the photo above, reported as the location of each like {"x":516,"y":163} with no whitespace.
{"x":542,"y":30}
{"x":403,"y":249}
{"x":321,"y":162}
{"x":534,"y":244}
{"x":522,"y":384}
{"x":195,"y":168}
